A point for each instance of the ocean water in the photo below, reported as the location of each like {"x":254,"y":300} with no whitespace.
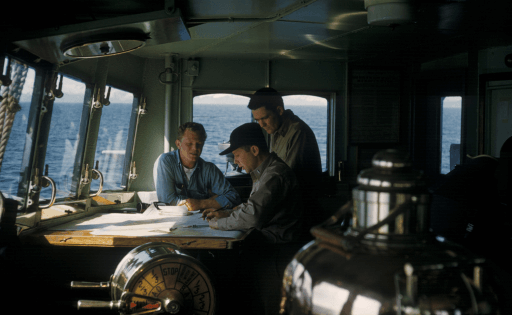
{"x":450,"y":135}
{"x":62,"y":146}
{"x":220,"y":120}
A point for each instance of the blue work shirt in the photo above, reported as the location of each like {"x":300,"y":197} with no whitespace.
{"x":173,"y":186}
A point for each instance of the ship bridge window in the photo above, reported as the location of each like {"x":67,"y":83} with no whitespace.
{"x":220,"y":114}
{"x":16,"y":131}
{"x":63,"y":137}
{"x":313,"y":111}
{"x":112,"y":139}
{"x":451,"y":130}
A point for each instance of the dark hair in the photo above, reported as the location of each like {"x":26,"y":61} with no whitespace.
{"x":192,"y":126}
{"x":267,"y":97}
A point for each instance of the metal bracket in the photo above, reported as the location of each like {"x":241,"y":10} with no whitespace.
{"x":142,"y":107}
{"x":192,"y":68}
{"x":85,"y":179}
{"x":57,"y":91}
{"x":133,"y":172}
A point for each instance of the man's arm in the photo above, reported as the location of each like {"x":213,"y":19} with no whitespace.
{"x":225,"y":195}
{"x":260,"y":207}
{"x":213,"y":215}
{"x":297,"y":149}
{"x":197,"y":204}
{"x":303,"y":156}
{"x":222,"y":193}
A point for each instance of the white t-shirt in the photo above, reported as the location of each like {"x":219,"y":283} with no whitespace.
{"x":189,"y":171}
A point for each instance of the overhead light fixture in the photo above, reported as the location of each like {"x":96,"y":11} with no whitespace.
{"x":98,"y":47}
{"x":388,"y":12}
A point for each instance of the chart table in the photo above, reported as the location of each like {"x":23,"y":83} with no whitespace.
{"x":134,"y":229}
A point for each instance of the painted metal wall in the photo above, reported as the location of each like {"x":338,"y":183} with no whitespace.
{"x":233,"y":76}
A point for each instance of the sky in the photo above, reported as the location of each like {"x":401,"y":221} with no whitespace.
{"x":73,"y":91}
{"x":220,"y":98}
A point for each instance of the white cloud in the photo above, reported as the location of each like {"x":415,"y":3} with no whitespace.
{"x":452,"y":102}
{"x":221,"y":98}
{"x":119,"y":96}
{"x":28,"y":87}
{"x":304,"y":100}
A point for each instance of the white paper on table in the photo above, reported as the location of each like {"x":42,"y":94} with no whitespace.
{"x":126,"y":224}
{"x":167,"y":210}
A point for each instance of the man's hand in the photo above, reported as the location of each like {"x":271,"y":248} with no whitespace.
{"x":210,"y":214}
{"x":195,"y":204}
{"x":214,"y":224}
{"x":199,"y":204}
{"x":185,"y":203}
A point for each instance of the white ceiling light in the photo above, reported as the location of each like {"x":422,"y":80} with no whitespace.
{"x":388,"y":12}
{"x":108,"y":46}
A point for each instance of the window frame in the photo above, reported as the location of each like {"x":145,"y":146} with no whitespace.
{"x":90,"y":128}
{"x":35,"y":145}
{"x":330,"y":96}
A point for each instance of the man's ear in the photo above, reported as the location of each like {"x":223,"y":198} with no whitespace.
{"x":280,"y":110}
{"x":178,"y":143}
{"x":255,"y":150}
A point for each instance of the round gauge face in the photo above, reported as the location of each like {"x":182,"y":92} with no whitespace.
{"x":179,"y":280}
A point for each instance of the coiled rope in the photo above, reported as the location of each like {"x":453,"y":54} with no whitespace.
{"x":9,"y":105}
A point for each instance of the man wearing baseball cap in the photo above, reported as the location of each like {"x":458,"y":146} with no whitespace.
{"x":273,"y":209}
{"x":273,"y":213}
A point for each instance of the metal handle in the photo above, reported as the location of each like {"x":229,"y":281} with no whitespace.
{"x":89,"y":285}
{"x":126,"y":305}
{"x":84,"y":304}
{"x":54,"y":192}
{"x":173,"y":79}
{"x":100,"y":176}
{"x":57,"y":92}
{"x":106,"y":100}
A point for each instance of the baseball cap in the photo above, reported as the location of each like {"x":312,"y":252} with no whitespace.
{"x":246,"y":134}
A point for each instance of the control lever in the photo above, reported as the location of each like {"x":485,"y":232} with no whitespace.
{"x":131,"y":303}
{"x":89,"y":285}
{"x":88,"y":304}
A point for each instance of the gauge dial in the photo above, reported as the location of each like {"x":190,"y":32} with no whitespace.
{"x":177,"y":279}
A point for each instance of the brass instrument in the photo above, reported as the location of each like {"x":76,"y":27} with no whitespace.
{"x":156,"y":278}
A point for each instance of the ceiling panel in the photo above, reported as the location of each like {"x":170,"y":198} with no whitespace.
{"x":271,"y":29}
